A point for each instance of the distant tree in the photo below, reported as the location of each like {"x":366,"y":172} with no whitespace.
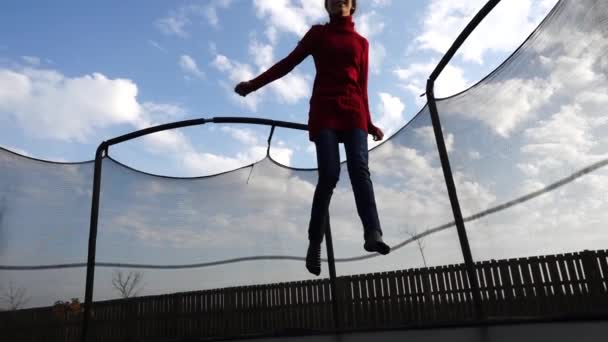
{"x":14,"y":297}
{"x":419,"y":243}
{"x":61,"y":309}
{"x":127,"y":285}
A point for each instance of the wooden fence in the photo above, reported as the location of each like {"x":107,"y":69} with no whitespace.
{"x":536,"y":287}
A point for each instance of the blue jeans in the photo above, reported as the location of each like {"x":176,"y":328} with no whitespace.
{"x":328,"y":160}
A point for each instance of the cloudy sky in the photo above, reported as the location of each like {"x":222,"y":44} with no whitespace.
{"x":76,"y":75}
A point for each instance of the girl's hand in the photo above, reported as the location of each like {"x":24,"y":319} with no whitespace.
{"x":376,"y":133}
{"x":243,"y":88}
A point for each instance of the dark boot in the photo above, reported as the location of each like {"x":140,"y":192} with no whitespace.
{"x":374,"y":243}
{"x":313,"y":258}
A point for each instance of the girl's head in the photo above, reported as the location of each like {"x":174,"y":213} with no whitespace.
{"x":340,"y":7}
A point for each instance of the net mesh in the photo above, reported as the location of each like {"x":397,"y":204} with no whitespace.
{"x":531,"y":136}
{"x":527,"y":146}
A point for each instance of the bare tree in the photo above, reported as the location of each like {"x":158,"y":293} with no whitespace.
{"x":14,"y":297}
{"x":419,"y":242}
{"x":127,"y":285}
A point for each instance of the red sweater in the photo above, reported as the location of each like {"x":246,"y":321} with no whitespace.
{"x":339,"y":96}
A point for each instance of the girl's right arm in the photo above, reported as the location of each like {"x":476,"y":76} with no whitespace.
{"x":281,"y":68}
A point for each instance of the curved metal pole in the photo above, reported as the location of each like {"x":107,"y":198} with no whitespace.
{"x":196,"y":122}
{"x":88,"y":296}
{"x":477,"y":19}
{"x":103,"y":148}
{"x":445,"y":161}
{"x":336,"y":303}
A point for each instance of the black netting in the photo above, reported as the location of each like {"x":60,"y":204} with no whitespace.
{"x":529,"y":141}
{"x":44,"y":220}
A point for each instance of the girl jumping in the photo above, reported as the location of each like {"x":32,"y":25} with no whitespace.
{"x":339,"y":113}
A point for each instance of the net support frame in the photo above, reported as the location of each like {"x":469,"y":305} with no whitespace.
{"x":102,"y":151}
{"x":445,"y":160}
{"x":103,"y":148}
{"x":332,"y":275}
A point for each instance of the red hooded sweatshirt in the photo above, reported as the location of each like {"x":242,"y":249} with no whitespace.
{"x":339,"y":96}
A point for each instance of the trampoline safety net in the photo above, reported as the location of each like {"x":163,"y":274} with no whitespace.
{"x":528,"y":147}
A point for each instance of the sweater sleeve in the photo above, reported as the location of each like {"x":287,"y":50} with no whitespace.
{"x":363,"y":74}
{"x":284,"y":66}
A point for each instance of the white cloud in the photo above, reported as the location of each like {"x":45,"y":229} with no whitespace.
{"x":420,"y":184}
{"x":194,"y":162}
{"x":211,"y":11}
{"x":547,"y":109}
{"x":222,"y":63}
{"x":35,"y":61}
{"x":15,"y":88}
{"x":245,"y":136}
{"x":474,"y":155}
{"x":573,"y":79}
{"x":237,"y":72}
{"x":414,"y":77}
{"x":291,"y":88}
{"x":285,"y":16}
{"x":263,"y":54}
{"x":18,"y":150}
{"x":172,"y":141}
{"x":288,"y":89}
{"x":427,"y":136}
{"x":391,"y":113}
{"x":157,"y":45}
{"x":563,"y":141}
{"x":282,"y":155}
{"x":208,"y":163}
{"x":212,"y":18}
{"x":377,"y":54}
{"x":204,"y":163}
{"x":177,"y":21}
{"x":48,"y":104}
{"x":174,"y":24}
{"x":513,"y":102}
{"x":163,"y":112}
{"x":188,"y":65}
{"x":271,"y":34}
{"x":529,"y":170}
{"x":370,"y":25}
{"x":381,"y":3}
{"x":509,"y":21}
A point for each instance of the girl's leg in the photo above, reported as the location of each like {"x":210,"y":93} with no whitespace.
{"x":328,"y":161}
{"x":355,"y":144}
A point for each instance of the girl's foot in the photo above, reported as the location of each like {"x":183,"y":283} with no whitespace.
{"x":374,"y":243}
{"x":313,"y":258}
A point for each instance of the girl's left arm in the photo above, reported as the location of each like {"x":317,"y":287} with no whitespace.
{"x":363,"y":74}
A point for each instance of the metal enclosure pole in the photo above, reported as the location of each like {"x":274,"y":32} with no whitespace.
{"x":332,"y":275}
{"x":88,"y":296}
{"x":449,"y":181}
{"x":443,"y":154}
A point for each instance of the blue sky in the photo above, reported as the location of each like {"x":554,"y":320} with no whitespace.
{"x":95,"y":71}
{"x":71,"y":76}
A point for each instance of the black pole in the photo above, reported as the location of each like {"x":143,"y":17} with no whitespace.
{"x":202,"y":121}
{"x":99,"y":154}
{"x":483,"y":12}
{"x":270,"y":140}
{"x":443,"y":154}
{"x":88,"y":296}
{"x":449,"y":181}
{"x":332,"y":274}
